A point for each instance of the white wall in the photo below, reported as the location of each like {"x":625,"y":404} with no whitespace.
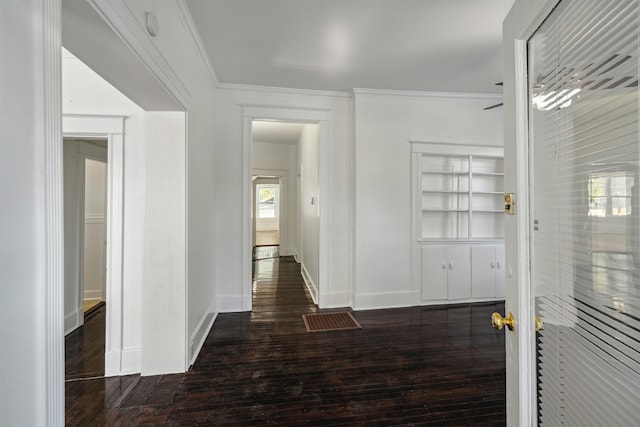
{"x":229,"y":182}
{"x":26,"y":379}
{"x":281,"y":157}
{"x":176,"y":60}
{"x":84,"y":92}
{"x":310,"y":212}
{"x":74,"y":154}
{"x":95,"y":229}
{"x":384,"y":125}
{"x":164,"y":302}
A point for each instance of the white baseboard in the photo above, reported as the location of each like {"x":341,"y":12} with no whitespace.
{"x":229,"y":303}
{"x":92,"y":295}
{"x":112,"y":363}
{"x":73,"y":320}
{"x":287,"y":252}
{"x":200,"y":334}
{"x":131,"y":361}
{"x":387,"y":300}
{"x":311,"y":286}
{"x":123,"y":362}
{"x":334,"y":300}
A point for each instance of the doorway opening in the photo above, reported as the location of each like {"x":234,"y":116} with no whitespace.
{"x":267,"y":211}
{"x":85,"y":243}
{"x":284,"y":212}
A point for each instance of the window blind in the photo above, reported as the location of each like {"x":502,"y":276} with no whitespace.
{"x":585,"y":235}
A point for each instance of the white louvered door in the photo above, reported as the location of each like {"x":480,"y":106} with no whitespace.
{"x":584,"y":157}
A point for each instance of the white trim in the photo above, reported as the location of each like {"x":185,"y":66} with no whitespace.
{"x":200,"y":334}
{"x":308,"y":282}
{"x":111,"y":128}
{"x":73,"y":320}
{"x":94,"y":295}
{"x":190,"y":25}
{"x":457,"y":149}
{"x":381,"y":300}
{"x":287,"y":252}
{"x":282,"y":203}
{"x":231,"y":303}
{"x":520,"y":25}
{"x":526,"y":343}
{"x":121,"y":18}
{"x":53,"y":209}
{"x":131,"y":360}
{"x":287,"y":114}
{"x":383,"y":93}
{"x":94,"y":219}
{"x":272,"y":90}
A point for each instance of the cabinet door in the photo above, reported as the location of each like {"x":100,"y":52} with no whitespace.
{"x":483,"y":272}
{"x":434,"y":273}
{"x":459,"y":272}
{"x":500,"y":271}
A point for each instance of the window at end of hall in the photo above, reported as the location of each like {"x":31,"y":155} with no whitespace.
{"x":610,"y":194}
{"x":267,"y":197}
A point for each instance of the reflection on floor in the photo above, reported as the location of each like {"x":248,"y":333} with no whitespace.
{"x":267,"y":237}
{"x":418,"y":365}
{"x":84,"y":347}
{"x":88,"y":304}
{"x":264,"y":252}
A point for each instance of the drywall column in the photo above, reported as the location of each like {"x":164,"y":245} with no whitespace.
{"x":31,"y":270}
{"x":164,"y":292}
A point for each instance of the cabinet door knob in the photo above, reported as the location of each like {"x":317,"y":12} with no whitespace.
{"x":498,"y":265}
{"x":444,"y":266}
{"x":491,"y":264}
{"x":450,"y":266}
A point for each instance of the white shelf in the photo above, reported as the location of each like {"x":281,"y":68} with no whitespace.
{"x":458,"y":196}
{"x":488,"y":173}
{"x":448,"y":192}
{"x":454,"y":173}
{"x":445,"y":210}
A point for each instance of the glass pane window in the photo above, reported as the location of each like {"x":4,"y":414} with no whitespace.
{"x":267,"y":200}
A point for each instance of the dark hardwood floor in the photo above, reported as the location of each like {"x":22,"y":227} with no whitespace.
{"x":410,"y":366}
{"x":84,"y":347}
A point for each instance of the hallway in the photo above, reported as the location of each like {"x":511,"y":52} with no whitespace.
{"x":419,"y":365}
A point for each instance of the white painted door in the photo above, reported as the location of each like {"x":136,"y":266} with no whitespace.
{"x":573,"y":246}
{"x":434,"y":273}
{"x":499,"y":263}
{"x":483,"y":272}
{"x":459,"y":272}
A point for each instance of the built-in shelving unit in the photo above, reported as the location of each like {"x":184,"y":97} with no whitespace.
{"x":460,"y":196}
{"x":458,"y":221}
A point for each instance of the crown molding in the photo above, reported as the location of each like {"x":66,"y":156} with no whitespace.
{"x":119,"y":16}
{"x":190,"y":25}
{"x":384,"y":93}
{"x":272,"y":90}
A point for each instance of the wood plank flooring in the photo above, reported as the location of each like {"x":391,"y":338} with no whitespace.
{"x":411,"y":366}
{"x":84,"y":347}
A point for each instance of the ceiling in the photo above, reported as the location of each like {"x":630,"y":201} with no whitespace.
{"x":276,"y":132}
{"x":338,"y":45}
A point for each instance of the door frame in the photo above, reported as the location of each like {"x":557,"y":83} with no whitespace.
{"x":282,"y":202}
{"x":83,"y":152}
{"x":520,"y":25}
{"x":111,"y":128}
{"x":292,"y":115}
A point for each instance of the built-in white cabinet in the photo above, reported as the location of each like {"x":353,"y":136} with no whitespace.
{"x":487,"y":271}
{"x":458,"y":222}
{"x":446,"y":272}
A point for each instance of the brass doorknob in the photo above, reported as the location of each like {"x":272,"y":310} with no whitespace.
{"x":498,"y":322}
{"x":539,"y":324}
